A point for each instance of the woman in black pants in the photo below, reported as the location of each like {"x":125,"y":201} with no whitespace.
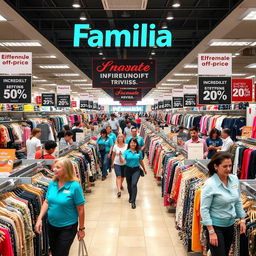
{"x":221,"y":204}
{"x":133,"y":157}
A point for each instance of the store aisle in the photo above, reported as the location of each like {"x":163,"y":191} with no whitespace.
{"x":114,"y":229}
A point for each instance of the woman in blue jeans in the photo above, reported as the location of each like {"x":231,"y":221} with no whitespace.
{"x":133,"y":157}
{"x":105,"y":144}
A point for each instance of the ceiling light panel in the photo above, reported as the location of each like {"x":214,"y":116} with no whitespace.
{"x":35,"y":77}
{"x":77,"y":80}
{"x":185,"y":74}
{"x":20,"y":43}
{"x":191,"y":66}
{"x":169,"y":84}
{"x":251,"y":15}
{"x":40,"y":81}
{"x":238,"y":74}
{"x":178,"y":80}
{"x":66,"y":74}
{"x":54,"y":66}
{"x":44,"y":56}
{"x":48,"y":84}
{"x":231,"y":42}
{"x":253,"y":76}
{"x":2,"y":18}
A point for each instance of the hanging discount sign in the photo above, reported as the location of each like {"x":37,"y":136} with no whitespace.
{"x":84,"y":104}
{"x":214,"y":90}
{"x":63,"y":101}
{"x":177,"y":98}
{"x":190,"y":95}
{"x":15,"y":89}
{"x":241,"y":90}
{"x":48,"y":99}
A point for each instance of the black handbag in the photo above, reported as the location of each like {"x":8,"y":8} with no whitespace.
{"x":142,"y":174}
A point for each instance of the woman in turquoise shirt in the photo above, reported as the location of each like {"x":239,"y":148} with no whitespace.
{"x":64,"y":205}
{"x":133,"y":157}
{"x":105,"y":144}
{"x":221,"y":204}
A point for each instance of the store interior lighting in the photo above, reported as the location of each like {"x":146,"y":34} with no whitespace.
{"x":190,"y":66}
{"x":238,"y":74}
{"x":230,"y":42}
{"x":44,"y":56}
{"x":83,"y":16}
{"x":176,"y":4}
{"x":35,"y":77}
{"x":251,"y":15}
{"x":77,"y":80}
{"x":48,"y":84}
{"x":185,"y":74}
{"x":164,"y":25}
{"x":169,"y":16}
{"x":248,"y":77}
{"x":178,"y":80}
{"x":54,"y":66}
{"x":171,"y":84}
{"x":153,"y":53}
{"x":40,"y":81}
{"x":66,"y":74}
{"x":43,"y":89}
{"x":253,"y":65}
{"x":20,"y":43}
{"x":76,"y":4}
{"x":2,"y":18}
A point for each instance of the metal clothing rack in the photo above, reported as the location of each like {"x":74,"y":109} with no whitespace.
{"x":250,"y":141}
{"x":249,"y":188}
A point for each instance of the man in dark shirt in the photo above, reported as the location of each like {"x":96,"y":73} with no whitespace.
{"x":76,"y":129}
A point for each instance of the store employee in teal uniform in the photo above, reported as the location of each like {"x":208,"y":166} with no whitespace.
{"x":64,"y":205}
{"x":137,"y":137}
{"x":134,"y":159}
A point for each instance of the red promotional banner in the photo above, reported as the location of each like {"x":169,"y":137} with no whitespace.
{"x":128,"y":103}
{"x":38,"y":100}
{"x":74,"y":104}
{"x":241,"y":90}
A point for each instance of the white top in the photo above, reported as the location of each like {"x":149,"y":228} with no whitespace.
{"x":117,"y":149}
{"x":128,"y":132}
{"x":113,"y":123}
{"x":227,"y":143}
{"x":31,"y":145}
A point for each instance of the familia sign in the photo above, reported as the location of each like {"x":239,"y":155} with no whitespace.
{"x":143,"y":35}
{"x":124,"y":73}
{"x":127,"y":94}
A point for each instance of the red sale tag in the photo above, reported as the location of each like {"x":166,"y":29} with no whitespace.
{"x":241,"y":90}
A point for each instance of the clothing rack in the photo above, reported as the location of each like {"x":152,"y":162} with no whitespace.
{"x":250,"y":141}
{"x":249,"y":188}
{"x":200,"y":164}
{"x":230,"y":112}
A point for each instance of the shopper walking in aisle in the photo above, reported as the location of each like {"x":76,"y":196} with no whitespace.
{"x":105,"y":144}
{"x":227,"y":141}
{"x":213,"y":142}
{"x":67,"y":140}
{"x":33,"y":144}
{"x":138,"y":121}
{"x":128,"y":129}
{"x":221,"y":204}
{"x":113,"y":137}
{"x":123,"y":123}
{"x":64,"y":205}
{"x":114,"y":124}
{"x":46,"y":153}
{"x":134,"y":159}
{"x":137,"y":137}
{"x":61,"y":134}
{"x":77,"y":129}
{"x":195,"y":139}
{"x":119,"y":167}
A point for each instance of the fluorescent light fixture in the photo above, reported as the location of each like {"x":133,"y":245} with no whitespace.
{"x":164,"y":25}
{"x":48,"y":84}
{"x":81,"y":84}
{"x":83,"y":16}
{"x":233,"y":56}
{"x":40,"y":81}
{"x":76,"y":4}
{"x":253,"y":44}
{"x":2,"y":18}
{"x":42,"y":89}
{"x":153,"y":53}
{"x":253,"y":65}
{"x":253,"y":76}
{"x":178,"y":80}
{"x":54,"y":66}
{"x":66,"y":74}
{"x":100,"y":52}
{"x":42,"y":56}
{"x":176,"y":4}
{"x":20,"y":43}
{"x":237,"y":74}
{"x":231,"y":42}
{"x":190,"y":66}
{"x":251,"y":15}
{"x":237,"y":53}
{"x":169,"y":16}
{"x":74,"y":92}
{"x":77,"y":80}
{"x":185,"y":74}
{"x":169,"y":84}
{"x":165,"y":88}
{"x":35,"y":77}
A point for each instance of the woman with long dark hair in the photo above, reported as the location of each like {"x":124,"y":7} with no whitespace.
{"x":105,"y":144}
{"x":134,"y":159}
{"x":221,"y":204}
{"x":214,"y":142}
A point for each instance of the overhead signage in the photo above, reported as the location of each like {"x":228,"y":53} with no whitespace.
{"x":190,"y":100}
{"x":177,"y":102}
{"x":214,"y":90}
{"x":90,"y":104}
{"x":167,"y":104}
{"x":63,"y":89}
{"x":124,"y":73}
{"x":215,"y":64}
{"x":84,"y":96}
{"x":242,"y":90}
{"x":6,"y":161}
{"x":127,"y":94}
{"x":190,"y":89}
{"x":74,"y":103}
{"x":84,"y":104}
{"x":128,"y":103}
{"x":15,"y":89}
{"x":48,"y":99}
{"x":63,"y":101}
{"x":142,"y":35}
{"x":95,"y":105}
{"x":16,"y":63}
{"x":160,"y":105}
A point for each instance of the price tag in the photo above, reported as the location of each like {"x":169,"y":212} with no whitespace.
{"x":241,"y":90}
{"x":190,"y":100}
{"x":177,"y":102}
{"x":214,"y":90}
{"x":48,"y":99}
{"x":63,"y":101}
{"x":84,"y":104}
{"x":15,"y":89}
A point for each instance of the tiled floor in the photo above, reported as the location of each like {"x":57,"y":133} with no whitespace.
{"x":114,"y":229}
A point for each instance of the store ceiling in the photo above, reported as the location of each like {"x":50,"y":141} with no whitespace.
{"x":55,"y":20}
